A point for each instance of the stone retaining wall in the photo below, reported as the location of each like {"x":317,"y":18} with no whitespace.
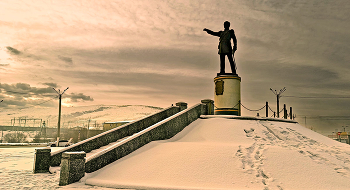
{"x":114,"y":134}
{"x":160,"y":131}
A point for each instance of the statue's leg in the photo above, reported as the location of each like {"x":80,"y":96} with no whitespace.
{"x":232,"y":63}
{"x":222,"y":63}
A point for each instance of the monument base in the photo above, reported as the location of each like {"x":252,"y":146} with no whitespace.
{"x":227,"y":94}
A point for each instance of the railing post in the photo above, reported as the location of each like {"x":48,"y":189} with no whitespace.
{"x":182,"y":105}
{"x":291,"y":113}
{"x":72,"y":167}
{"x":285,"y":111}
{"x":209,"y":106}
{"x":42,"y":160}
{"x":267,"y":109}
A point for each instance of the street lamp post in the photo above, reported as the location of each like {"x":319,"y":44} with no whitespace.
{"x":278,"y":96}
{"x":59,"y":114}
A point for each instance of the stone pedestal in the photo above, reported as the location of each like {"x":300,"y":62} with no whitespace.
{"x":209,"y":106}
{"x":182,"y":105}
{"x":72,"y":167}
{"x":42,"y":160}
{"x":227,"y":95}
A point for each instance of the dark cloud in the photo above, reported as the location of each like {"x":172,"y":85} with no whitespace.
{"x":80,"y":96}
{"x":53,"y":85}
{"x":13,"y":50}
{"x":66,"y":59}
{"x":24,"y":95}
{"x":25,"y":90}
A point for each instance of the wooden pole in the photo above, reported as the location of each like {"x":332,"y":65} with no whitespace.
{"x":267,"y":109}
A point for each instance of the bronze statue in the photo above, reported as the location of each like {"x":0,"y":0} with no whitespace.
{"x":225,"y":47}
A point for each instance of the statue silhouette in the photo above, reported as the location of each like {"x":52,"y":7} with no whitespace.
{"x":225,"y":47}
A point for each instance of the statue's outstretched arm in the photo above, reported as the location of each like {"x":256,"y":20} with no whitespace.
{"x":211,"y":32}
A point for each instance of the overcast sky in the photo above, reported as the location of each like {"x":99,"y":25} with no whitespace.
{"x":155,"y":53}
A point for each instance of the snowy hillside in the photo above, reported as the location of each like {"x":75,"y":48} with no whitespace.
{"x":217,"y":152}
{"x":77,"y":116}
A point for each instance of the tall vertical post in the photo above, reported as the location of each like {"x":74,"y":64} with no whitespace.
{"x":278,"y":105}
{"x":59,"y":114}
{"x":278,"y":95}
{"x":284,"y":111}
{"x":88,"y":129}
{"x":267,"y":109}
{"x":59,"y":119}
{"x":291,"y":113}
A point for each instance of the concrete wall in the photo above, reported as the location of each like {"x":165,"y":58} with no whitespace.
{"x":160,"y":131}
{"x":114,"y":134}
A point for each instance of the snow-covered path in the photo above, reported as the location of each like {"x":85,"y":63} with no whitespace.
{"x":16,"y":170}
{"x":224,"y":153}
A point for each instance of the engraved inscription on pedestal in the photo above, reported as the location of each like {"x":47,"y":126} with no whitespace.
{"x":219,"y":87}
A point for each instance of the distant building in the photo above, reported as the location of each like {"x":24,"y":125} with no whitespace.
{"x":110,"y":125}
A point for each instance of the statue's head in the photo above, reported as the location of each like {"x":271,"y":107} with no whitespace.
{"x":227,"y":24}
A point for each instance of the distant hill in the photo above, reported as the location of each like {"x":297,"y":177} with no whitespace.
{"x":76,"y":116}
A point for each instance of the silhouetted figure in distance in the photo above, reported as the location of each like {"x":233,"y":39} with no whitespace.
{"x":225,"y":47}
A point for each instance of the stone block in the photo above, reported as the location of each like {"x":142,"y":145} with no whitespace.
{"x":72,"y":167}
{"x":209,"y":106}
{"x":42,"y":160}
{"x":182,"y":105}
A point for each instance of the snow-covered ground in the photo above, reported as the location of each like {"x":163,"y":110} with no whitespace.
{"x":16,"y":170}
{"x":224,"y":153}
{"x":212,"y":153}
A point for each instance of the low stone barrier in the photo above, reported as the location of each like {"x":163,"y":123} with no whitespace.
{"x":72,"y":167}
{"x":160,"y":131}
{"x":116,"y":133}
{"x":42,"y":160}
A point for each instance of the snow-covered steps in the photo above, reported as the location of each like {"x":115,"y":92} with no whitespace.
{"x":164,"y":129}
{"x":112,"y":135}
{"x":74,"y":167}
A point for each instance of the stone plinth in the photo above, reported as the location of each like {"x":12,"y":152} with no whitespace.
{"x":227,"y":95}
{"x":42,"y":160}
{"x":209,"y":106}
{"x":182,"y":105}
{"x":72,"y":167}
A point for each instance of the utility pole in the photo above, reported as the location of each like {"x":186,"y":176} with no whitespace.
{"x":278,"y":96}
{"x":59,"y":113}
{"x":87,"y":135}
{"x":2,"y":132}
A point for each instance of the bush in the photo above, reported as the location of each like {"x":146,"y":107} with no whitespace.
{"x":18,"y":137}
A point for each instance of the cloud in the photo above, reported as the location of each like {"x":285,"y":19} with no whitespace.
{"x":80,"y":96}
{"x":21,"y":95}
{"x":50,"y":84}
{"x":13,"y":50}
{"x":66,"y":59}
